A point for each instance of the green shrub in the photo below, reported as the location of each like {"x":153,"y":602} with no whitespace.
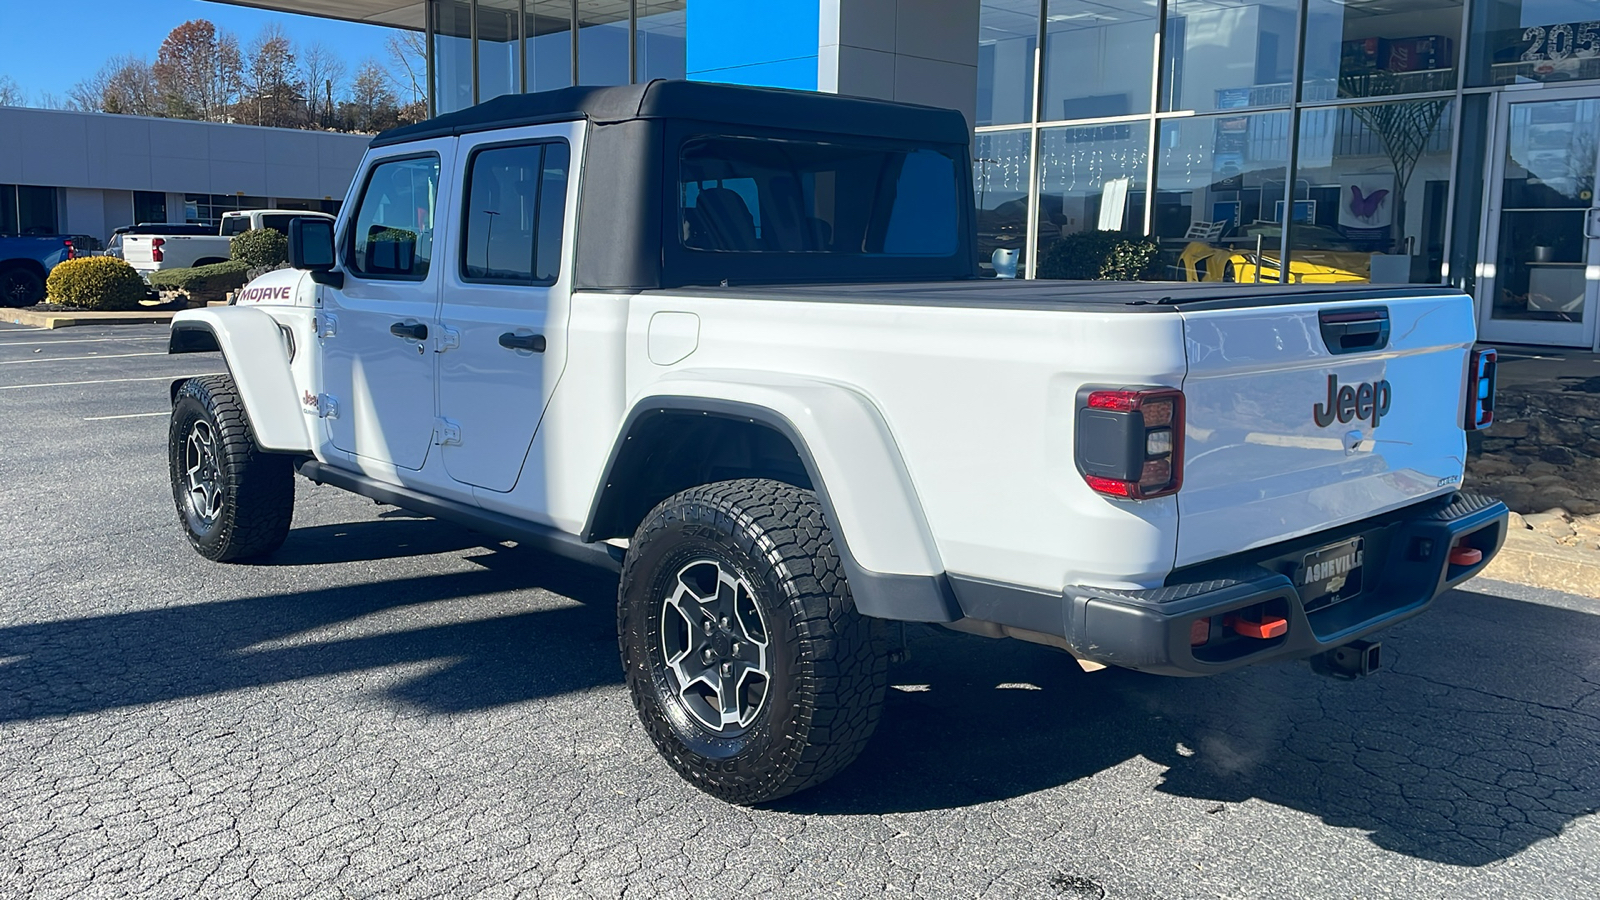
{"x":203,"y":282}
{"x":260,"y":247}
{"x":96,"y":282}
{"x":1099,"y":256}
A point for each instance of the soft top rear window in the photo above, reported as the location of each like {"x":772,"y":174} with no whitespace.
{"x":772,"y":195}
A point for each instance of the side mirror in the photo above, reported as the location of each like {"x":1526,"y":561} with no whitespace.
{"x":311,"y":244}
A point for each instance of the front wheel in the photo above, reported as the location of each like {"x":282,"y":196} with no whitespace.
{"x":747,"y":661}
{"x":234,"y":500}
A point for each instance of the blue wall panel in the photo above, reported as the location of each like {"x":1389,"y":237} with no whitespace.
{"x":760,"y":42}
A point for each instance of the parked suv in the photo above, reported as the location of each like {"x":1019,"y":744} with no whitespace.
{"x":731,"y":342}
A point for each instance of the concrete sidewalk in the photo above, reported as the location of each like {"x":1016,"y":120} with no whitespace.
{"x":85,"y":317}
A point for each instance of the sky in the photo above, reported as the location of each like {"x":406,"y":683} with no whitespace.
{"x":74,"y":38}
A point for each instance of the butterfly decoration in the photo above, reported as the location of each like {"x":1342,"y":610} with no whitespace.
{"x":1366,"y":207}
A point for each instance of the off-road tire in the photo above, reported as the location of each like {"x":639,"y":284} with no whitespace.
{"x":20,"y":286}
{"x":255,"y":489}
{"x":827,"y":664}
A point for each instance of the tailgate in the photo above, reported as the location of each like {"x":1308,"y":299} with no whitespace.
{"x":1267,"y":459}
{"x":136,"y":251}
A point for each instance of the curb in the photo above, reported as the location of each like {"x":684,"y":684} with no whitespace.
{"x":88,"y":317}
{"x":1538,"y":561}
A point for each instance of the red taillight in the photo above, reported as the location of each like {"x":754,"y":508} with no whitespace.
{"x":72,"y":252}
{"x":155,"y":250}
{"x":1130,"y":442}
{"x":1480,"y":388}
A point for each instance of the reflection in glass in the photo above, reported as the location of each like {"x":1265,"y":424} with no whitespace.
{"x":1219,"y":193}
{"x":1371,"y":192}
{"x":452,"y":55}
{"x":1229,"y":54}
{"x":1516,"y":41}
{"x":603,"y":43}
{"x":1097,"y":60}
{"x":1374,"y":48}
{"x":1548,"y":189}
{"x":1008,"y":32}
{"x":1000,"y":187}
{"x":1091,"y":178}
{"x":549,"y":38}
{"x":661,"y":35}
{"x":499,"y":48}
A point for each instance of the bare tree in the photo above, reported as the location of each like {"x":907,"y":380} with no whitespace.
{"x":372,"y":105}
{"x":324,"y":75}
{"x":125,"y":85}
{"x":11,"y":94}
{"x":408,"y":71}
{"x":272,"y":90}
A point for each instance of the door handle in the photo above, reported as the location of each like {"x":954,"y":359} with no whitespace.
{"x":415,"y":331}
{"x":513,"y":341}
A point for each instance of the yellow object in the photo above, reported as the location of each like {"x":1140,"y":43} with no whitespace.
{"x":1203,"y":262}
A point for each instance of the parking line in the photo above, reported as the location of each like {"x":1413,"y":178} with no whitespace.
{"x":158,"y":337}
{"x":18,"y":387}
{"x":125,"y":416}
{"x":18,"y":362}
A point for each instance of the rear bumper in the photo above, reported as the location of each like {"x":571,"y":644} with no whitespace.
{"x":1407,"y":565}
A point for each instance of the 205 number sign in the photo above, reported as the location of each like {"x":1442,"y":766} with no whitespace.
{"x":1561,"y":41}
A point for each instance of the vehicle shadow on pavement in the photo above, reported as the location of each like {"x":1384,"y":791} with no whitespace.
{"x":1478,"y":740}
{"x":397,"y":533}
{"x":511,"y":652}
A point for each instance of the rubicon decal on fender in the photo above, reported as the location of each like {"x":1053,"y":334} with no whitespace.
{"x":1368,"y":401}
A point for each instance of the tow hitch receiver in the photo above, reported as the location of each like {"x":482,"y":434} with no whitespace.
{"x":1353,"y":660}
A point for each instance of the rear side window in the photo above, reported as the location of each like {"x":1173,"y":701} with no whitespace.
{"x":232,"y":225}
{"x":278,"y":223}
{"x":512,"y":223}
{"x":751,"y":195}
{"x":393,"y":232}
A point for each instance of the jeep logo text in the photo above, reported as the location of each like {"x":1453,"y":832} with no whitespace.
{"x":1368,"y":401}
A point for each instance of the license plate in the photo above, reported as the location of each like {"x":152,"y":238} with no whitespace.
{"x":1332,"y":574}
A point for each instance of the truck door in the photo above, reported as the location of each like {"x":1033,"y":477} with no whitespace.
{"x":378,"y":364}
{"x":502,"y":342}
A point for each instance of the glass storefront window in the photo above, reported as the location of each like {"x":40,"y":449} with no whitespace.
{"x":1000,"y":187}
{"x":1091,"y":178}
{"x":603,"y":44}
{"x":1371,"y":193}
{"x":1375,"y":48}
{"x":661,"y":35}
{"x":1097,"y":60}
{"x":1547,"y":191}
{"x":1219,"y":194}
{"x":499,"y":48}
{"x":452,"y":55}
{"x":1229,"y":55}
{"x":549,"y":33}
{"x":1515,"y":41}
{"x":1008,"y":32}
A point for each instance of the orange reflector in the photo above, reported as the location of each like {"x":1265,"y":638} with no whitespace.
{"x":1465,"y":556}
{"x":1199,"y":632}
{"x":1268,"y":627}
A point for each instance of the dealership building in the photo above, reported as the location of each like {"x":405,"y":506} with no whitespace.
{"x":1421,"y":141}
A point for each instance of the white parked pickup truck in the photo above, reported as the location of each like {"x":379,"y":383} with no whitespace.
{"x":183,"y":249}
{"x":732,"y":342}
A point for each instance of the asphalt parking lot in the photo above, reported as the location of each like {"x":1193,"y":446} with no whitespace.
{"x":393,"y":707}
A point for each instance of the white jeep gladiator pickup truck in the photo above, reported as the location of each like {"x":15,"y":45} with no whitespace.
{"x":732,"y":343}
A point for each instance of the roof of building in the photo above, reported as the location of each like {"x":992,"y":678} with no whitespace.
{"x":700,"y":101}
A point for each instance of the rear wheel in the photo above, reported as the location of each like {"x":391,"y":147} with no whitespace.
{"x":234,"y":500}
{"x":747,"y":661}
{"x":20,"y":287}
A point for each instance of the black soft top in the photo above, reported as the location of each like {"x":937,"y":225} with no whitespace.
{"x":701,"y":101}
